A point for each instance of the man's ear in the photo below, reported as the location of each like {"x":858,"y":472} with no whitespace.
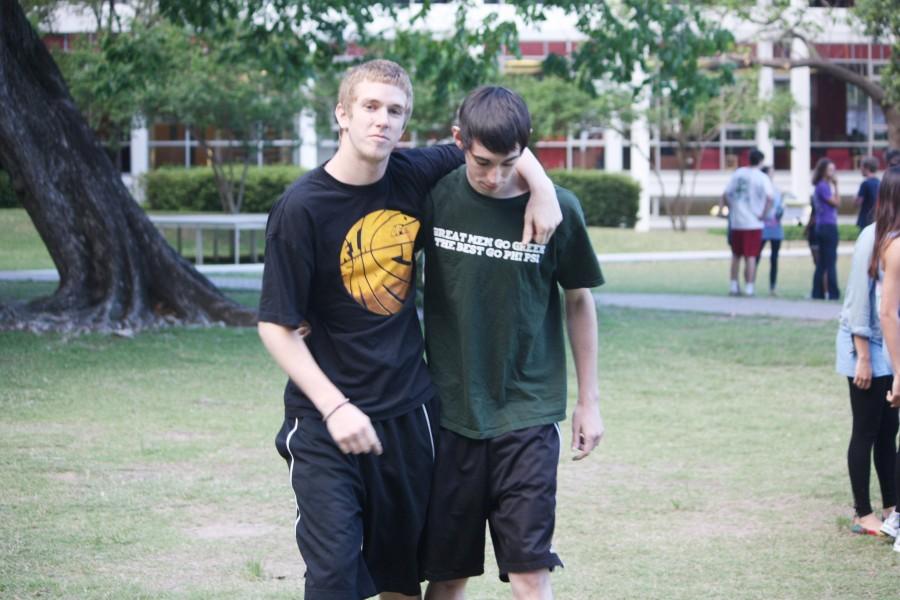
{"x":457,"y":137}
{"x":341,"y":116}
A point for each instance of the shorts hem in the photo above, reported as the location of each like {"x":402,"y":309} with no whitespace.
{"x":548,"y":562}
{"x":311,"y":593}
{"x":450,"y":575}
{"x":401,"y":589}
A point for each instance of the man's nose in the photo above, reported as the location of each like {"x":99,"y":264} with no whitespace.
{"x":381,"y":117}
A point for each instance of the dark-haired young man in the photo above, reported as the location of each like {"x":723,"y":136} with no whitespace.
{"x":495,"y":348}
{"x":749,"y":195}
{"x":868,"y":192}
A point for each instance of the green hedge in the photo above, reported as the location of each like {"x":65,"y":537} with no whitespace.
{"x":177,"y":188}
{"x":8,"y":197}
{"x":608,"y":199}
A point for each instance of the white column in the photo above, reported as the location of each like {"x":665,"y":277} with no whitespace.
{"x":612,"y":150}
{"x":800,"y":126}
{"x":766,"y":89}
{"x":140,"y":158}
{"x":306,"y":127}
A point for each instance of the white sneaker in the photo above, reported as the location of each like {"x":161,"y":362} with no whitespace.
{"x":896,"y":545}
{"x":891,"y":527}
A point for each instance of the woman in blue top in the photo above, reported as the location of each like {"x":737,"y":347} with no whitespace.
{"x":885,"y":265}
{"x":772,"y":232}
{"x":825,"y":202}
{"x":861,"y":358}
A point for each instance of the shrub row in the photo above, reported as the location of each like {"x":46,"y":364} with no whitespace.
{"x":176,"y":188}
{"x":608,"y":199}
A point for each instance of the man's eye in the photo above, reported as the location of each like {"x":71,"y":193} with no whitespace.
{"x":396,"y":111}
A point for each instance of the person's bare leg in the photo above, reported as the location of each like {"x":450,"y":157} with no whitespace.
{"x":454,"y":589}
{"x":396,"y":596}
{"x":534,"y":585}
{"x":735,"y":267}
{"x":750,"y":270}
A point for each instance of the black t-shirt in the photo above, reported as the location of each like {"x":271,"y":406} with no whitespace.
{"x":868,"y":191}
{"x":340,"y":257}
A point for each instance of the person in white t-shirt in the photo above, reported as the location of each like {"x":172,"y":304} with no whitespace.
{"x":748,"y":195}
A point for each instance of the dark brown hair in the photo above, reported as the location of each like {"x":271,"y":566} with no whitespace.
{"x":497,"y":117}
{"x":887,"y":216}
{"x":819,"y":171}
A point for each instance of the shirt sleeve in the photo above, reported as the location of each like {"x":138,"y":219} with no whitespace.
{"x":577,"y":264}
{"x":856,"y":315}
{"x":769,"y":186}
{"x":289,"y":266}
{"x":425,"y":231}
{"x":428,"y":165}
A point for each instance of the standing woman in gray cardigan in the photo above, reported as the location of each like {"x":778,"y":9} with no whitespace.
{"x":862,"y":359}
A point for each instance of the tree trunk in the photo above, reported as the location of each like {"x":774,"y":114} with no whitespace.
{"x":117,"y":273}
{"x":892,"y":118}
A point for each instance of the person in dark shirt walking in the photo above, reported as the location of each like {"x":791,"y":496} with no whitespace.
{"x":868,"y":192}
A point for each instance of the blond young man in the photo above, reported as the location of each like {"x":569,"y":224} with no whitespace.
{"x":359,"y":404}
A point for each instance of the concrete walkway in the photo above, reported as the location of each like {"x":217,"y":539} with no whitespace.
{"x":807,"y":310}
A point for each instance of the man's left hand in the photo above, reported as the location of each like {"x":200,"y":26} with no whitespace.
{"x":587,"y":429}
{"x":542,"y":217}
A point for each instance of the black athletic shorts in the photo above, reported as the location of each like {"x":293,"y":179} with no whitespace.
{"x":508,"y":481}
{"x":360,"y":517}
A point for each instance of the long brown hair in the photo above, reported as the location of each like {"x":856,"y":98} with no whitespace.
{"x":819,"y":171}
{"x":887,"y":216}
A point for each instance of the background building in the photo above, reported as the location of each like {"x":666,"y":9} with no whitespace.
{"x":832,"y":118}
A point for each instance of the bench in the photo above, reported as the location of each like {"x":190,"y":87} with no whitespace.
{"x":215,"y":222}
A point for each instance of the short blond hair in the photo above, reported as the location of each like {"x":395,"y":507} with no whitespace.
{"x":379,"y":71}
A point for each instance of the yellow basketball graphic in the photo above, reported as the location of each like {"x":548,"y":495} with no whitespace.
{"x":377,"y":260}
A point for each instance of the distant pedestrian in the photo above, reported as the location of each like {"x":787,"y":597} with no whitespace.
{"x":826,"y":200}
{"x":868,"y":192}
{"x":772,"y":232}
{"x":749,"y":196}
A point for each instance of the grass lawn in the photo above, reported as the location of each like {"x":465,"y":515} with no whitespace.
{"x":145,"y":468}
{"x":611,"y":239}
{"x":711,"y":277}
{"x":20,"y":246}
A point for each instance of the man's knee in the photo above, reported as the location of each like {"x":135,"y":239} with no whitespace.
{"x":533,"y":584}
{"x":452,"y":589}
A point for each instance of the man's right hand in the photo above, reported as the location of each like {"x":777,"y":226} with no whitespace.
{"x":352,"y":431}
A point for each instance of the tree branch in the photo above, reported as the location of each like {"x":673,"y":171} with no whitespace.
{"x":869,"y":87}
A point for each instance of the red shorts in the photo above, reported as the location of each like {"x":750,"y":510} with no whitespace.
{"x":746,"y":242}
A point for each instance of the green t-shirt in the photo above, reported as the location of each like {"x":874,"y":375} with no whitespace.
{"x":493,"y":313}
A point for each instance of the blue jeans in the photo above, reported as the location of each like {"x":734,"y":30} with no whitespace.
{"x":827,"y":238}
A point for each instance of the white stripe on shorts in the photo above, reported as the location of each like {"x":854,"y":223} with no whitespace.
{"x":559,"y":433}
{"x":430,"y":435}
{"x":291,"y":470}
